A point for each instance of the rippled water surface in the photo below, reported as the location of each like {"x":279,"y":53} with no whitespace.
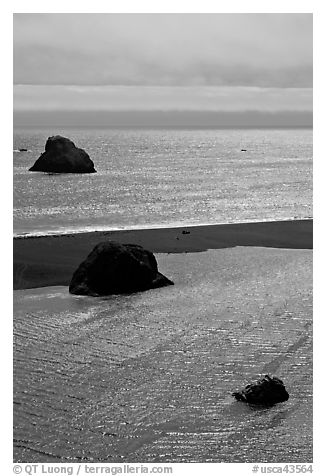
{"x":148,"y":377}
{"x":165,"y":177}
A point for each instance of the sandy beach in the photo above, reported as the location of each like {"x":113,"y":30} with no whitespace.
{"x":51,"y":260}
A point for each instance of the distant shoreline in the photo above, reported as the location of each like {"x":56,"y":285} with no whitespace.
{"x":157,"y":127}
{"x":169,"y":118}
{"x":51,"y":260}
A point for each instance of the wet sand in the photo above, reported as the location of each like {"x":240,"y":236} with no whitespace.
{"x":51,"y":260}
{"x":148,"y":377}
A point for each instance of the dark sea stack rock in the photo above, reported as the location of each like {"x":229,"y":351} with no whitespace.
{"x":113,"y":268}
{"x":267,"y":391}
{"x":62,"y":156}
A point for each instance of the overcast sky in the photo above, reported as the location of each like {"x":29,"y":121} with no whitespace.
{"x":214,"y":62}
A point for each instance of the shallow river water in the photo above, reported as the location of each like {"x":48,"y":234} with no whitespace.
{"x":148,"y":377}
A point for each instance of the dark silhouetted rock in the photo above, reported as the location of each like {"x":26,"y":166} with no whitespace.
{"x":62,"y":156}
{"x":267,"y":391}
{"x":243,"y":150}
{"x":22,"y":150}
{"x":113,"y":268}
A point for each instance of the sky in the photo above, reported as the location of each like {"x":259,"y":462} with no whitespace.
{"x":158,"y":63}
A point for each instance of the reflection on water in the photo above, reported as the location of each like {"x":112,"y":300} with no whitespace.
{"x":142,"y":174}
{"x":149,"y":376}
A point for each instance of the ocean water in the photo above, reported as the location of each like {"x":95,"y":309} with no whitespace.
{"x":148,"y":377}
{"x":162,"y":177}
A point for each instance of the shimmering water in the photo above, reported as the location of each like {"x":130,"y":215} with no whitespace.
{"x":148,"y":377}
{"x":165,"y":177}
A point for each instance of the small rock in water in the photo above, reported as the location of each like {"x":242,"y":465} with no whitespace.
{"x":267,"y":391}
{"x":62,"y":156}
{"x":243,"y":150}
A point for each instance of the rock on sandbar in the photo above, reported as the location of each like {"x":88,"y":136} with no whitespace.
{"x":62,"y":156}
{"x":113,"y":268}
